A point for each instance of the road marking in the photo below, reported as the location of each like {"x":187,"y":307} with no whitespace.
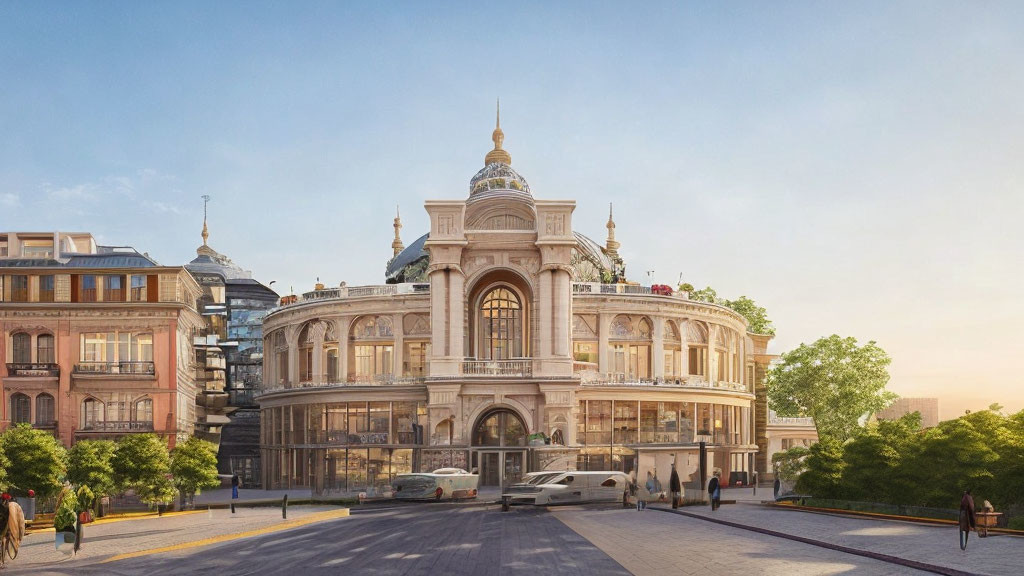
{"x":311,"y":519}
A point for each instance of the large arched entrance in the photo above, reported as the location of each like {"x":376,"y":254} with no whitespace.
{"x":499,"y":447}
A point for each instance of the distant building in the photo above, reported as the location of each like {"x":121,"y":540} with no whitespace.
{"x":95,"y":341}
{"x":229,"y":357}
{"x":783,"y":433}
{"x":927,"y":407}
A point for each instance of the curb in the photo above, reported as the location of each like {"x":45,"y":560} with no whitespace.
{"x":879,"y":516}
{"x":933,"y":568}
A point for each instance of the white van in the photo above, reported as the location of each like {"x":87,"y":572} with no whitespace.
{"x":568,"y":487}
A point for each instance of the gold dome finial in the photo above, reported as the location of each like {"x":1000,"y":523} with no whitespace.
{"x":206,"y":231}
{"x":396,"y":244}
{"x":498,"y":155}
{"x":611,"y":245}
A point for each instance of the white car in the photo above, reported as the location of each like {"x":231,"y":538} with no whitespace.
{"x":443,"y":483}
{"x":568,"y":487}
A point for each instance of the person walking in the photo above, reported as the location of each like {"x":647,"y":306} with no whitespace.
{"x":651,"y":486}
{"x":966,"y":516}
{"x":675,"y":487}
{"x":234,"y":485}
{"x":715,"y":490}
{"x":634,"y":490}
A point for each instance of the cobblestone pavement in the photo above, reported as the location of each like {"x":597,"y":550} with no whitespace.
{"x":938,"y":545}
{"x":657,"y":543}
{"x":39,"y":556}
{"x":433,"y":539}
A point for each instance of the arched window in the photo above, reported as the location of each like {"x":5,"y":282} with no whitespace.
{"x":630,"y":346}
{"x":697,"y":347}
{"x":500,"y":428}
{"x":44,"y":349}
{"x":92,"y":413}
{"x":144,"y":411}
{"x":501,"y":325}
{"x":44,"y":410}
{"x":21,"y":408}
{"x":372,"y":348}
{"x":22,"y":348}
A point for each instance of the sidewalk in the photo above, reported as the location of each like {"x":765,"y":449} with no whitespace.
{"x":38,"y":555}
{"x":930,"y":544}
{"x":222,"y":496}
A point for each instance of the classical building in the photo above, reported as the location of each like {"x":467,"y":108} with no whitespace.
{"x":928,"y":408}
{"x":505,"y":342}
{"x":783,"y":433}
{"x":229,"y":359}
{"x":96,"y":340}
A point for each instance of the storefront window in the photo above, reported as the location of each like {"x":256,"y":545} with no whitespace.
{"x":337,"y":430}
{"x":626,"y":422}
{"x":599,"y":422}
{"x":403,"y":415}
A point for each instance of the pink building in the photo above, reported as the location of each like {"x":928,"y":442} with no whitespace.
{"x":96,"y":340}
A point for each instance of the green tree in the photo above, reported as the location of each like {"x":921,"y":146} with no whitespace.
{"x":89,"y":464}
{"x":1007,"y":488}
{"x":194,"y":467}
{"x":789,"y":464}
{"x":824,"y":470}
{"x":757,"y":316}
{"x":141,"y":463}
{"x":833,"y":381}
{"x":4,"y":465}
{"x":37,"y":460}
{"x":872,"y":460}
{"x":952,"y":457}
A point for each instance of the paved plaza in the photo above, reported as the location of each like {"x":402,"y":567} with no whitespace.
{"x":477,"y":538}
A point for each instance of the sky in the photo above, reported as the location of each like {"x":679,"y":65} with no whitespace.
{"x":856,"y":168}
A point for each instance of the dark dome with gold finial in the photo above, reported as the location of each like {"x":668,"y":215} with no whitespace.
{"x":497,"y":173}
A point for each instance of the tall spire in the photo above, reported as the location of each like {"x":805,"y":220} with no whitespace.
{"x":206,"y":231}
{"x":396,"y":244}
{"x":498,"y":155}
{"x":611,"y":245}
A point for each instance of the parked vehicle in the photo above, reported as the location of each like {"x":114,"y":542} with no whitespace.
{"x":441,"y":484}
{"x":568,"y":487}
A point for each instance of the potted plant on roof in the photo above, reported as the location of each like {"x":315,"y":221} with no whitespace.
{"x":64,"y":521}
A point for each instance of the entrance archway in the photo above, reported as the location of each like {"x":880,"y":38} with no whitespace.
{"x":499,"y":439}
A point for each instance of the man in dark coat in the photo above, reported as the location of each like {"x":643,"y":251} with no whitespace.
{"x":715,"y":490}
{"x":967,"y":512}
{"x":234,"y":486}
{"x":675,"y":487}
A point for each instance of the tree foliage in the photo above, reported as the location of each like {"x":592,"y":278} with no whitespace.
{"x":833,"y":381}
{"x":757,"y":316}
{"x":790,"y":464}
{"x":89,"y":464}
{"x":36,"y":460}
{"x":896,"y":462}
{"x":141,"y":463}
{"x":194,"y":466}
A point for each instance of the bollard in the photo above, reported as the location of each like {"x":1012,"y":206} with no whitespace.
{"x":232,"y":506}
{"x":284,"y":507}
{"x":209,"y":512}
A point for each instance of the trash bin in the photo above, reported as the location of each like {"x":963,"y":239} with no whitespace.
{"x":28,"y":505}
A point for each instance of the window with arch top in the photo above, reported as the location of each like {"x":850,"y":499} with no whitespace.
{"x":501,"y":325}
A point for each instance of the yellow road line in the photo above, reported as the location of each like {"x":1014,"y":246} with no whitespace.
{"x":311,"y":519}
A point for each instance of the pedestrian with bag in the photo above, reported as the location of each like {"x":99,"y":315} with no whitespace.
{"x":234,"y":485}
{"x":715,"y":490}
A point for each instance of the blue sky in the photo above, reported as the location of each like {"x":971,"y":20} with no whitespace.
{"x":854,"y":167}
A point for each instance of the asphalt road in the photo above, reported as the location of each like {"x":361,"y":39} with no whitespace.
{"x":408,"y":540}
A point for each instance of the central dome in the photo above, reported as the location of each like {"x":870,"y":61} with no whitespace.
{"x":497,"y":176}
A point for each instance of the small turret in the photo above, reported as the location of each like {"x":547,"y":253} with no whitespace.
{"x":611,"y":245}
{"x":396,"y":244}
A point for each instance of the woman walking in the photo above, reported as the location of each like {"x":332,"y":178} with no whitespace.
{"x":715,"y":490}
{"x":675,"y":487}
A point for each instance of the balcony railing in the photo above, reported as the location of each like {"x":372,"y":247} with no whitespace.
{"x":790,"y":421}
{"x":354,"y":292}
{"x":118,"y":426}
{"x":620,"y":379}
{"x":29,"y":369}
{"x":506,"y":368}
{"x":376,"y":380}
{"x":143,"y":368}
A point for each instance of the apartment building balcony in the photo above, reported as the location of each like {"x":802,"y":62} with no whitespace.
{"x":33,"y":370}
{"x":117,"y":426}
{"x":347,"y":292}
{"x":515,"y":368}
{"x":352,"y":382}
{"x":119,"y":368}
{"x":618,"y":379}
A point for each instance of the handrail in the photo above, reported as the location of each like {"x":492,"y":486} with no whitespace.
{"x":377,"y":380}
{"x":147,"y":368}
{"x":620,"y":379}
{"x":518,"y":367}
{"x":33,"y":369}
{"x":344,"y":292}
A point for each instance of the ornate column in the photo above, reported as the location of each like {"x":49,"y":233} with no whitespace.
{"x":562,"y":297}
{"x":343,"y":326}
{"x":438,"y":313}
{"x":399,"y":354}
{"x":544,"y":314}
{"x":658,"y":347}
{"x":456,"y":315}
{"x":293,"y":355}
{"x":711,"y":364}
{"x":684,"y":350}
{"x":318,"y":353}
{"x":603,"y":325}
